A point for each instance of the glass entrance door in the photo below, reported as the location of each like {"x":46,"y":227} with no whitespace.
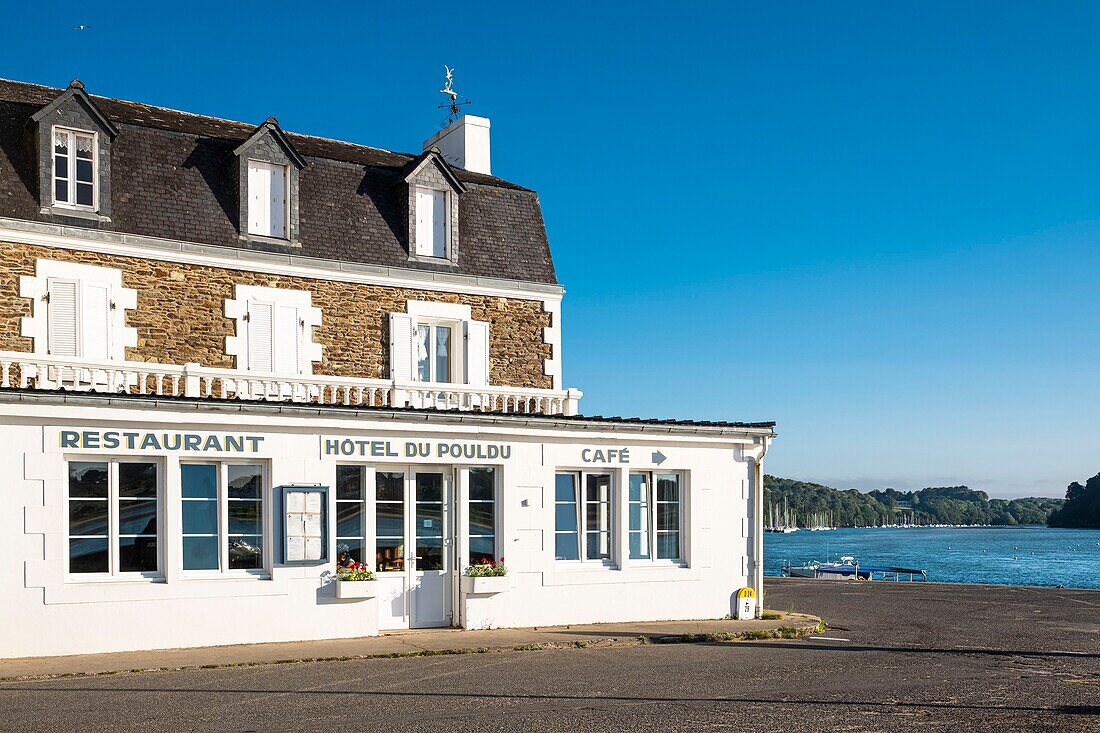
{"x":430,"y":535}
{"x":414,"y":553}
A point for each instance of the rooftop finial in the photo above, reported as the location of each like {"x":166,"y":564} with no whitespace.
{"x":452,"y":102}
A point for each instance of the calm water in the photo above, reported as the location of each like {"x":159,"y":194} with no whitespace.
{"x":1007,"y":555}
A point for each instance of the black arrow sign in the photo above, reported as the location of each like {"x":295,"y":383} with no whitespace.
{"x":659,"y":457}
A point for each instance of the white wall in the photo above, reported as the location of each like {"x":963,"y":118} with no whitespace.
{"x":48,"y":614}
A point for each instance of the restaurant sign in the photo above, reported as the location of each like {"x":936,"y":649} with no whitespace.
{"x":158,"y":440}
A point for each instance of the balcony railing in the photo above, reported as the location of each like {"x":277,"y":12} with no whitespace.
{"x":30,"y":371}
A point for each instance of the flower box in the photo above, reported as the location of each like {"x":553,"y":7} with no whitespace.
{"x":356,"y":588}
{"x":485,"y":585}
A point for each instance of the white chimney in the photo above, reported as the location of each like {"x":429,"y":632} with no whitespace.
{"x":464,"y":144}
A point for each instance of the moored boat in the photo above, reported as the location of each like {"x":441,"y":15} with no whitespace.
{"x":848,"y":568}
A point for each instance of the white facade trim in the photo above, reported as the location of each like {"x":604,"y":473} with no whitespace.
{"x":35,"y":288}
{"x":205,"y":255}
{"x":551,"y":335}
{"x":443,"y":311}
{"x":237,"y":309}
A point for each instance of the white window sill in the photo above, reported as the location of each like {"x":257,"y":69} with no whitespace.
{"x":125,"y":579}
{"x":568,"y":573}
{"x":77,"y":213}
{"x":584,"y":566}
{"x":267,"y":239}
{"x":431,"y":259}
{"x":192,"y":575}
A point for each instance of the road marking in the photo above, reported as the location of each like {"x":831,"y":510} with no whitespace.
{"x":828,"y":638}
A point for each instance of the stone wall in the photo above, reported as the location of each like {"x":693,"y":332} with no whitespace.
{"x":180,"y":316}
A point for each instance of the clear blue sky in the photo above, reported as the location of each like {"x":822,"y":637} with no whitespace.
{"x":874,"y":223}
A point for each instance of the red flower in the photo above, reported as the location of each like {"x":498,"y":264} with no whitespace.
{"x":501,"y":559}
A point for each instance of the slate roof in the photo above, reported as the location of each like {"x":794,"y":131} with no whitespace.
{"x":171,"y":178}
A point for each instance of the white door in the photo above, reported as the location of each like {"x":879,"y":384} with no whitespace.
{"x":430,"y":537}
{"x":414,"y":546}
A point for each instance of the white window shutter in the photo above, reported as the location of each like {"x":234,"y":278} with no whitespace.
{"x":402,"y":353}
{"x":287,"y":341}
{"x":477,"y":353}
{"x":277,"y":206}
{"x":260,"y":356}
{"x":259,"y":198}
{"x":95,"y":321}
{"x":439,"y":224}
{"x":424,"y":226}
{"x":61,"y":317}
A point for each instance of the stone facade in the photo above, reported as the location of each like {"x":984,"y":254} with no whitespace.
{"x":180,"y":316}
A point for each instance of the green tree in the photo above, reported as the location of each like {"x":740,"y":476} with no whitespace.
{"x":1081,"y":508}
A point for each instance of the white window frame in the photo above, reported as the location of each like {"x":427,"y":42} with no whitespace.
{"x":285,"y":235}
{"x":113,"y":572}
{"x":581,"y":497}
{"x":71,"y":183}
{"x":456,"y":345}
{"x":364,"y":475}
{"x":223,"y":570}
{"x":446,"y":225}
{"x":651,"y":519}
{"x":36,"y":289}
{"x":310,"y":318}
{"x":494,"y":501}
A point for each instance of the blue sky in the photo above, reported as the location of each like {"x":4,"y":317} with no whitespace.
{"x":875,"y":224}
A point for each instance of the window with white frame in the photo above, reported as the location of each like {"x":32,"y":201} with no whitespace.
{"x":440,"y":343}
{"x":389,"y":521}
{"x":78,"y":311}
{"x":113,"y":514}
{"x":434,"y":354}
{"x":655,"y":516}
{"x":482,"y":526}
{"x":223,"y":516}
{"x":274,"y":330}
{"x":431,"y":223}
{"x":267,"y":199}
{"x":78,"y":318}
{"x":274,"y":337}
{"x":350,"y":514}
{"x":583,"y":511}
{"x":74,"y":169}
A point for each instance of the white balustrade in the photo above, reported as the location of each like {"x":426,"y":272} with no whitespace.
{"x":30,"y":371}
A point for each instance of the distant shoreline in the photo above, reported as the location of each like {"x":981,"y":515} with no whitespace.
{"x":935,"y":526}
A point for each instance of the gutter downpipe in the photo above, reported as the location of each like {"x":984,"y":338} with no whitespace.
{"x":758,"y":527}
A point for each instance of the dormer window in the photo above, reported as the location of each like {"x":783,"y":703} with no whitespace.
{"x":432,"y":223}
{"x":73,"y":141}
{"x":267,"y":199}
{"x":267,"y":168}
{"x":433,"y":201}
{"x":74,"y":167}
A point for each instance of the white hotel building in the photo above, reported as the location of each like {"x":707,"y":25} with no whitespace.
{"x":209,"y":330}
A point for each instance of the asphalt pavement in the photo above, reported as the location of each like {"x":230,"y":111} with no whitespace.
{"x":921,"y":657}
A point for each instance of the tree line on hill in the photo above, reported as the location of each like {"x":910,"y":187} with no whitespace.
{"x":1081,"y":509}
{"x":807,"y":502}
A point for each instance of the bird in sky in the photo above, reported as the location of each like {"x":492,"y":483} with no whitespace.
{"x":81,"y":27}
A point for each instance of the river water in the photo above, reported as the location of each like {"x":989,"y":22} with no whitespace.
{"x":1025,"y":555}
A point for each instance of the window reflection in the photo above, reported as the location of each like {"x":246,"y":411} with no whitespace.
{"x":389,"y":554}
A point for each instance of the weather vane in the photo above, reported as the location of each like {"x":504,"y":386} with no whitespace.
{"x":452,"y":102}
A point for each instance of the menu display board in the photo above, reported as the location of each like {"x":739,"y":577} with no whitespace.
{"x":305,"y":524}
